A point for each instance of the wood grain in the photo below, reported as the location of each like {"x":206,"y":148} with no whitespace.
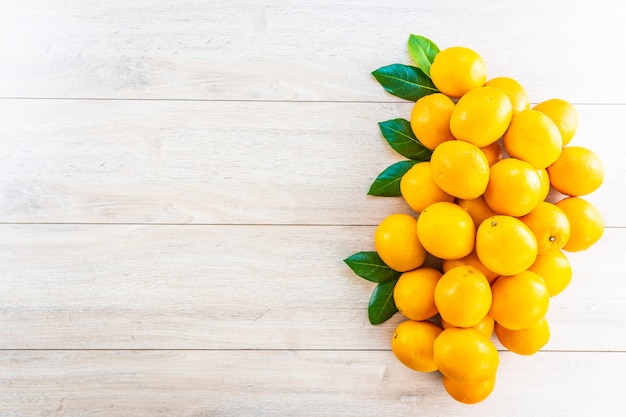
{"x":285,"y":50}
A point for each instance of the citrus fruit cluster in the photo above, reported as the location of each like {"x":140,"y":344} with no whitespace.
{"x":480,"y":193}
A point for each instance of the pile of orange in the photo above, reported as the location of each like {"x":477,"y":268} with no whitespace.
{"x":482,"y":206}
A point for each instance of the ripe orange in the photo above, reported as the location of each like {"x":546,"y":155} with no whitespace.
{"x":533,"y":137}
{"x":564,"y":116}
{"x":419,"y":190}
{"x":477,"y":208}
{"x":465,"y":355}
{"x":493,"y":152}
{"x":412,"y":343}
{"x":397,"y":243}
{"x":513,"y":90}
{"x":555,"y":269}
{"x":460,"y":169}
{"x":463,"y":296}
{"x":485,"y":326}
{"x":514,"y":187}
{"x":470,"y":260}
{"x":446,"y":230}
{"x":481,"y":116}
{"x":519,"y":301}
{"x":586,"y":223}
{"x":430,"y":119}
{"x":505,"y":245}
{"x":414,"y":293}
{"x":526,"y":341}
{"x":578,"y":171}
{"x":457,"y":70}
{"x":549,"y":225}
{"x":469,"y":393}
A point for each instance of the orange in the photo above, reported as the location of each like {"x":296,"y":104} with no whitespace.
{"x":505,"y":245}
{"x":430,"y":119}
{"x":549,"y":225}
{"x":412,"y":343}
{"x":555,"y":269}
{"x":485,"y":326}
{"x":397,"y":243}
{"x":526,"y":341}
{"x":513,"y":90}
{"x":519,"y":301}
{"x":564,"y":116}
{"x":414,"y":293}
{"x":470,"y":260}
{"x":481,"y":116}
{"x":419,"y":190}
{"x":493,"y":152}
{"x":545,"y":183}
{"x":446,"y":230}
{"x":457,"y":70}
{"x":469,"y":393}
{"x":578,"y":171}
{"x":533,"y":137}
{"x":465,"y":355}
{"x":463,"y":296}
{"x":460,"y":169}
{"x":477,"y":208}
{"x":514,"y":187}
{"x":586,"y":223}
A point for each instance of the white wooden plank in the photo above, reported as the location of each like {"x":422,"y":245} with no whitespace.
{"x":238,"y":287}
{"x":225,"y":163}
{"x":303,"y":50}
{"x":295,"y":383}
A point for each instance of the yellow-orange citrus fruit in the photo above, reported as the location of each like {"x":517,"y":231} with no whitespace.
{"x":470,"y":260}
{"x":519,"y":301}
{"x":457,"y":70}
{"x":513,"y":90}
{"x":446,"y":230}
{"x":397,"y":243}
{"x":505,"y":245}
{"x":533,"y":137}
{"x":414,"y":293}
{"x":469,"y":393}
{"x":460,"y":169}
{"x":545,"y":183}
{"x":412,"y":343}
{"x":481,"y":116}
{"x":555,"y":269}
{"x":493,"y":152}
{"x":477,"y":208}
{"x":526,"y":341}
{"x":419,"y":189}
{"x":463,"y":296}
{"x":485,"y":326}
{"x":514,"y":187}
{"x":564,"y":116}
{"x":430,"y":119}
{"x":465,"y":355}
{"x":549,"y":225}
{"x":578,"y":171}
{"x":586,"y":223}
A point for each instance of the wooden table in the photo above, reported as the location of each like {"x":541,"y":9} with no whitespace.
{"x":180,"y":182}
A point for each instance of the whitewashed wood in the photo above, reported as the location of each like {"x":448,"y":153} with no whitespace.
{"x":238,"y":287}
{"x":302,"y":50}
{"x":226,"y":163}
{"x":295,"y":383}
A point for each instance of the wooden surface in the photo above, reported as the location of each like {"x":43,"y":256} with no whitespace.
{"x":180,"y":181}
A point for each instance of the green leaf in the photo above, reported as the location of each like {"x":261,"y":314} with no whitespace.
{"x":401,"y":138}
{"x":423,"y":52}
{"x":381,"y":306}
{"x":387,"y":184}
{"x":409,"y":83}
{"x":370,"y":266}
